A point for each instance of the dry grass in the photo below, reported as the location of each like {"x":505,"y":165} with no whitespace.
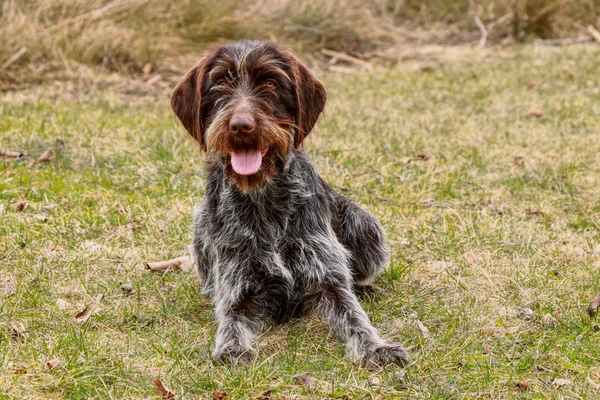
{"x":487,"y":206}
{"x":124,"y":36}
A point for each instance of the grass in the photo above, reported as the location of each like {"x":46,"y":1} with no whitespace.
{"x":485,"y":209}
{"x":43,"y":39}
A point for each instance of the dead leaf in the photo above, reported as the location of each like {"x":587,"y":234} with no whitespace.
{"x":525,"y":384}
{"x":472,"y":259}
{"x":41,"y":217}
{"x":219,"y":395}
{"x":154,"y":79}
{"x":524,"y":312}
{"x":20,"y":206}
{"x":87,"y":312}
{"x":534,"y":113}
{"x":130,"y":226}
{"x":594,"y":385}
{"x":519,"y":161}
{"x":127,"y":288}
{"x":568,"y":72}
{"x":593,"y":307}
{"x":47,"y":156}
{"x":53,"y":364}
{"x":147,"y":70}
{"x":560,"y":382}
{"x":11,"y":154}
{"x":7,"y":289}
{"x":168,"y":265}
{"x":266,"y":395}
{"x":61,"y":304}
{"x":534,"y":212}
{"x":422,"y":157}
{"x":549,"y":319}
{"x":18,"y":331}
{"x":163,"y":391}
{"x":533,"y":85}
{"x":304,"y":379}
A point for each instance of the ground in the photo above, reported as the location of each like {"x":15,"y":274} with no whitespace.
{"x":484,"y":170}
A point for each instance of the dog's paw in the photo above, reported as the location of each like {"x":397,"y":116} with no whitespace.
{"x":233,"y":355}
{"x":387,"y":354}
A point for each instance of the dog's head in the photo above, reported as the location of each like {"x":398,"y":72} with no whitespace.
{"x":249,"y":103}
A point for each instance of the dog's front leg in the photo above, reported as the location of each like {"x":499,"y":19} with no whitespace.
{"x":239,"y":325}
{"x":343,"y":313}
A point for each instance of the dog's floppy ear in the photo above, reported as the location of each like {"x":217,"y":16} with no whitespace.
{"x":311,"y":97}
{"x":186,"y":100}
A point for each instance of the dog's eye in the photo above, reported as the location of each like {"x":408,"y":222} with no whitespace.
{"x":270,"y":83}
{"x":221,"y":83}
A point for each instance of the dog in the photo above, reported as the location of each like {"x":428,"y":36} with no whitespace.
{"x":272,"y":240}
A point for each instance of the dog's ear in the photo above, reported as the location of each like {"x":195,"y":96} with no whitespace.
{"x":186,"y":100}
{"x":311,"y":97}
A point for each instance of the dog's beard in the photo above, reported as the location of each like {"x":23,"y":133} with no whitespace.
{"x":251,"y":160}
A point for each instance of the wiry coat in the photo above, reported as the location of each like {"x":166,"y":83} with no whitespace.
{"x":290,"y":244}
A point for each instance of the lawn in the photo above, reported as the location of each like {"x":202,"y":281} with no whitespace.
{"x":484,"y":170}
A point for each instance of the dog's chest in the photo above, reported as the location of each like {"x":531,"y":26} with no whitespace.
{"x":260,"y":219}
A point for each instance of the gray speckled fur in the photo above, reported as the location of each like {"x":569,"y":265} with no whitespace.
{"x":290,"y":246}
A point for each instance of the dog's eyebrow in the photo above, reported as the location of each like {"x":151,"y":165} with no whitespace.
{"x":223,"y":68}
{"x":267,"y":65}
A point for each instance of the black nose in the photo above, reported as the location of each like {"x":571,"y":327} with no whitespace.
{"x":242,"y":123}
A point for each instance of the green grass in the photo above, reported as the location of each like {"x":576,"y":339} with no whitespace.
{"x":474,"y":230}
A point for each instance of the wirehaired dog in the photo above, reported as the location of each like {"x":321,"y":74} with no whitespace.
{"x":272,"y":239}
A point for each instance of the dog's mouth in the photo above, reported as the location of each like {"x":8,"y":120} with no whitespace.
{"x":246,"y":160}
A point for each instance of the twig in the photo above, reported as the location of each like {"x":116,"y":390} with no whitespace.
{"x":168,"y":265}
{"x":594,"y":32}
{"x":336,"y":55}
{"x":11,"y":154}
{"x":14,"y":58}
{"x":563,"y":42}
{"x":484,"y":33}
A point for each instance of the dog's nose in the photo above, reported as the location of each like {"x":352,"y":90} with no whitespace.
{"x":242,"y":123}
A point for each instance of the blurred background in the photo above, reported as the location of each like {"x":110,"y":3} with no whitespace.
{"x":53,"y":39}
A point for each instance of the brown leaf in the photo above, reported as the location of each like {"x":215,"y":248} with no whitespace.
{"x":17,"y":330}
{"x":61,"y":304}
{"x":20,"y":206}
{"x":594,"y":385}
{"x":519,"y":161}
{"x":422,"y":157}
{"x":304,"y":379}
{"x":266,"y":395}
{"x":168,"y":265}
{"x":472,"y":259}
{"x":53,"y":364}
{"x":47,"y":156}
{"x":525,"y":384}
{"x":219,"y":395}
{"x":593,"y":307}
{"x":524,"y":312}
{"x":568,"y":72}
{"x":127,"y":288}
{"x":6,"y":289}
{"x":147,"y":70}
{"x":130,"y":226}
{"x":534,"y":113}
{"x":87,"y":312}
{"x":163,"y":391}
{"x":11,"y":154}
{"x":533,"y":85}
{"x":561,"y":382}
{"x":534,"y":212}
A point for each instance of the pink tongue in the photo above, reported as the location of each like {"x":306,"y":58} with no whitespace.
{"x":246,"y":162}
